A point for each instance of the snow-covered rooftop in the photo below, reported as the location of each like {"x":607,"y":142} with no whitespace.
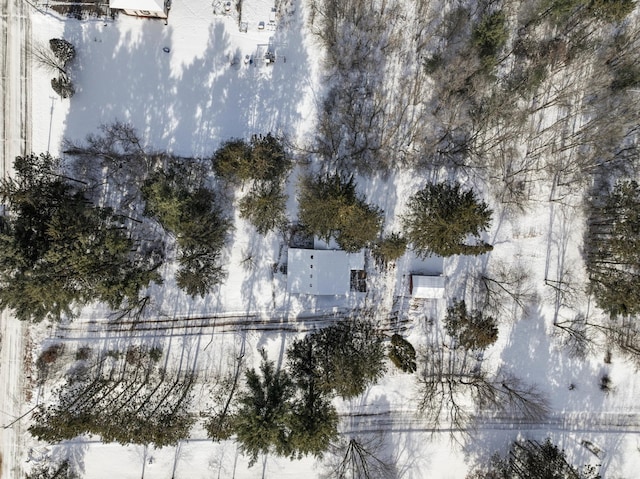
{"x":321,"y":272}
{"x":428,"y":287}
{"x":149,"y":5}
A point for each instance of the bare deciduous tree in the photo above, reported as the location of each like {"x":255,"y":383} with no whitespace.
{"x":360,"y":457}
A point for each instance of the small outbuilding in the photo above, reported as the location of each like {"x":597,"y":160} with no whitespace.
{"x":324,"y":272}
{"x":142,"y":8}
{"x":426,"y":287}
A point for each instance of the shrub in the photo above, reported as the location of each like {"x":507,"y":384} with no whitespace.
{"x":490,"y":35}
{"x":390,"y":248}
{"x":471,"y":329}
{"x":402,"y":354}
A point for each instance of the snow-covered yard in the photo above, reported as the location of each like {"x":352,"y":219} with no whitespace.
{"x":190,"y":85}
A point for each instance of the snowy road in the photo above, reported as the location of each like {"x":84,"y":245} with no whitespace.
{"x":15,"y":31}
{"x":15,"y":34}
{"x":11,"y":396}
{"x":584,"y":422}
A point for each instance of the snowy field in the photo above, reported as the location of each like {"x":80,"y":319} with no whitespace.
{"x":213,"y":84}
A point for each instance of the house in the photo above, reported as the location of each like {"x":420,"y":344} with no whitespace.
{"x":324,"y":272}
{"x":142,"y":8}
{"x":426,"y":287}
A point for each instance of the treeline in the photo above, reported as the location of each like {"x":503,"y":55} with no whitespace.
{"x":126,"y":398}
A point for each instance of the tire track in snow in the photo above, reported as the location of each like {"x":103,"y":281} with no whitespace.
{"x":568,"y":421}
{"x":192,"y":326}
{"x":15,"y":126}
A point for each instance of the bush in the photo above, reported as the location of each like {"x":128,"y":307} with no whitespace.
{"x":402,"y":354}
{"x":63,"y":86}
{"x":470,"y":329}
{"x":83,"y":353}
{"x":390,"y":248}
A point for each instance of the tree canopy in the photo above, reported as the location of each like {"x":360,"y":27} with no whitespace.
{"x":470,"y":329}
{"x":344,"y":358}
{"x":330,"y":207}
{"x":277,"y":413}
{"x":262,"y":158}
{"x":262,"y":423}
{"x":532,"y":459}
{"x":612,"y":249}
{"x":264,"y":206}
{"x":129,"y":400}
{"x":190,"y":211}
{"x":442,"y":216}
{"x":58,"y":250}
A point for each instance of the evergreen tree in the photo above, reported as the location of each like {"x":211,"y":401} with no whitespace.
{"x":470,"y":329}
{"x":534,"y":460}
{"x":611,"y":10}
{"x":264,"y":207}
{"x":263,"y":421}
{"x":63,"y":50}
{"x":441,"y":217}
{"x":402,"y":354}
{"x":329,"y":207}
{"x":490,"y":35}
{"x":314,"y":421}
{"x":62,"y":470}
{"x":191,"y":213}
{"x":132,"y":402}
{"x":59,"y":250}
{"x":63,"y":86}
{"x":390,"y":248}
{"x":263,"y":158}
{"x":344,"y":358}
{"x":612,"y":248}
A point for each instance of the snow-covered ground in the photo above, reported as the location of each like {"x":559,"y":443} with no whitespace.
{"x":200,"y":92}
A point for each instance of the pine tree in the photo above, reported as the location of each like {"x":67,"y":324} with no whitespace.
{"x":263,"y":158}
{"x":390,"y":248}
{"x":441,"y":217}
{"x":470,"y":329}
{"x":63,"y":86}
{"x":612,"y":249}
{"x":345,"y":358}
{"x":61,"y":470}
{"x":63,"y":50}
{"x":264,"y":207}
{"x":402,"y":354}
{"x":191,"y":213}
{"x":534,"y":460}
{"x":329,"y":207}
{"x":263,"y":421}
{"x":59,"y":250}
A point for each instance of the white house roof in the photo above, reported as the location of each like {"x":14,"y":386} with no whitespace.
{"x":321,"y":272}
{"x":149,"y":5}
{"x":429,"y":287}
